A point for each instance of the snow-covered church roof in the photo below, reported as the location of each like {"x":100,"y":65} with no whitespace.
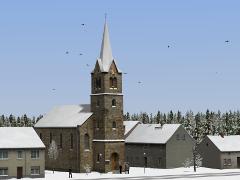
{"x":19,"y":138}
{"x":152,"y":133}
{"x":226,"y":143}
{"x":106,"y":59}
{"x":65,"y":116}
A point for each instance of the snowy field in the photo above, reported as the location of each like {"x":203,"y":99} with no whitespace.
{"x":138,"y":174}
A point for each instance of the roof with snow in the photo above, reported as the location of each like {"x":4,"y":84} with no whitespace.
{"x":129,"y":125}
{"x":226,"y":143}
{"x":65,"y":116}
{"x":106,"y":59}
{"x":19,"y":137}
{"x":152,"y":133}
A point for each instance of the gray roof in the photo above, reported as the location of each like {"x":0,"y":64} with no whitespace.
{"x":129,"y":125}
{"x":19,"y":137}
{"x":65,"y":116}
{"x":152,"y":133}
{"x":226,"y":143}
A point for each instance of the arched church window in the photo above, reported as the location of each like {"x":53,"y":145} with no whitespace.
{"x":86,"y":141}
{"x":100,"y":83}
{"x":111,"y":82}
{"x":114,"y":125}
{"x":114,"y":82}
{"x":98,"y":103}
{"x":114,"y":103}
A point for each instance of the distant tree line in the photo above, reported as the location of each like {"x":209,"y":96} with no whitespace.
{"x":19,"y":121}
{"x":198,"y":125}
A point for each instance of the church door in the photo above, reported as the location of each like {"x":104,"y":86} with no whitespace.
{"x":115,"y":161}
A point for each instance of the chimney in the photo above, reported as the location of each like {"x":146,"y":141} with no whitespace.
{"x":221,"y":134}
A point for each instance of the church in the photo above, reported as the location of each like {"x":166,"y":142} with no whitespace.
{"x":89,"y":135}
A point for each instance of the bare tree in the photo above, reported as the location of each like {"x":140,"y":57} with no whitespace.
{"x":53,"y":152}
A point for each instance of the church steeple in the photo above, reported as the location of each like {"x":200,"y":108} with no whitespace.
{"x":106,"y":51}
{"x":107,"y":108}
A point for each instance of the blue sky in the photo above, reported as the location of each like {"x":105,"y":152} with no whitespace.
{"x":197,"y":72}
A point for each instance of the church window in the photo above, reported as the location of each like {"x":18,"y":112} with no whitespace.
{"x":98,"y":84}
{"x":98,"y":103}
{"x":86,"y":141}
{"x":50,"y":141}
{"x":99,"y":156}
{"x":114,"y":125}
{"x":98,"y":124}
{"x":114,"y":103}
{"x":71,"y":140}
{"x":60,"y":145}
{"x":113,"y":82}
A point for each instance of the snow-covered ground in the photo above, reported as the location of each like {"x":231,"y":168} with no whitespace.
{"x":138,"y":173}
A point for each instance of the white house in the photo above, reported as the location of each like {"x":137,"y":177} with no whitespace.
{"x":22,"y":153}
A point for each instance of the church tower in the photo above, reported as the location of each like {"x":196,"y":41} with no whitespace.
{"x":107,"y":108}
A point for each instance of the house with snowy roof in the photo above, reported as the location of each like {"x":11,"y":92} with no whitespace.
{"x":221,"y":152}
{"x":156,"y":146}
{"x":22,"y":153}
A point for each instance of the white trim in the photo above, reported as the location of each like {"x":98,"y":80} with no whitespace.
{"x":99,"y":94}
{"x":108,"y":140}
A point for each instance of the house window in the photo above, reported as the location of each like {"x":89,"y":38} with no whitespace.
{"x":184,"y":137}
{"x":4,"y":171}
{"x":60,"y":145}
{"x":178,"y":137}
{"x":145,"y":147}
{"x":86,"y":142}
{"x":229,"y":163}
{"x":35,"y":170}
{"x":3,"y":155}
{"x":159,"y":162}
{"x":19,"y":154}
{"x":114,"y":103}
{"x":114,"y":125}
{"x":71,"y":140}
{"x":35,"y":154}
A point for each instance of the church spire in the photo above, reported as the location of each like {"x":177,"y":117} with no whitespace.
{"x":106,"y":51}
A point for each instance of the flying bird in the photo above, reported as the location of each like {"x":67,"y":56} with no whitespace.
{"x":67,"y":52}
{"x":80,"y":54}
{"x":87,"y":65}
{"x":83,"y":24}
{"x":54,"y":89}
{"x":168,"y":46}
{"x":227,"y":41}
{"x":124,"y":73}
{"x":139,"y":82}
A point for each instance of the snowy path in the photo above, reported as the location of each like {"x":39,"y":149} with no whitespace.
{"x":152,"y":174}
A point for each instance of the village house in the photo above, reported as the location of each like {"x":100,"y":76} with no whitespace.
{"x":221,"y":152}
{"x":22,"y":153}
{"x":156,"y":146}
